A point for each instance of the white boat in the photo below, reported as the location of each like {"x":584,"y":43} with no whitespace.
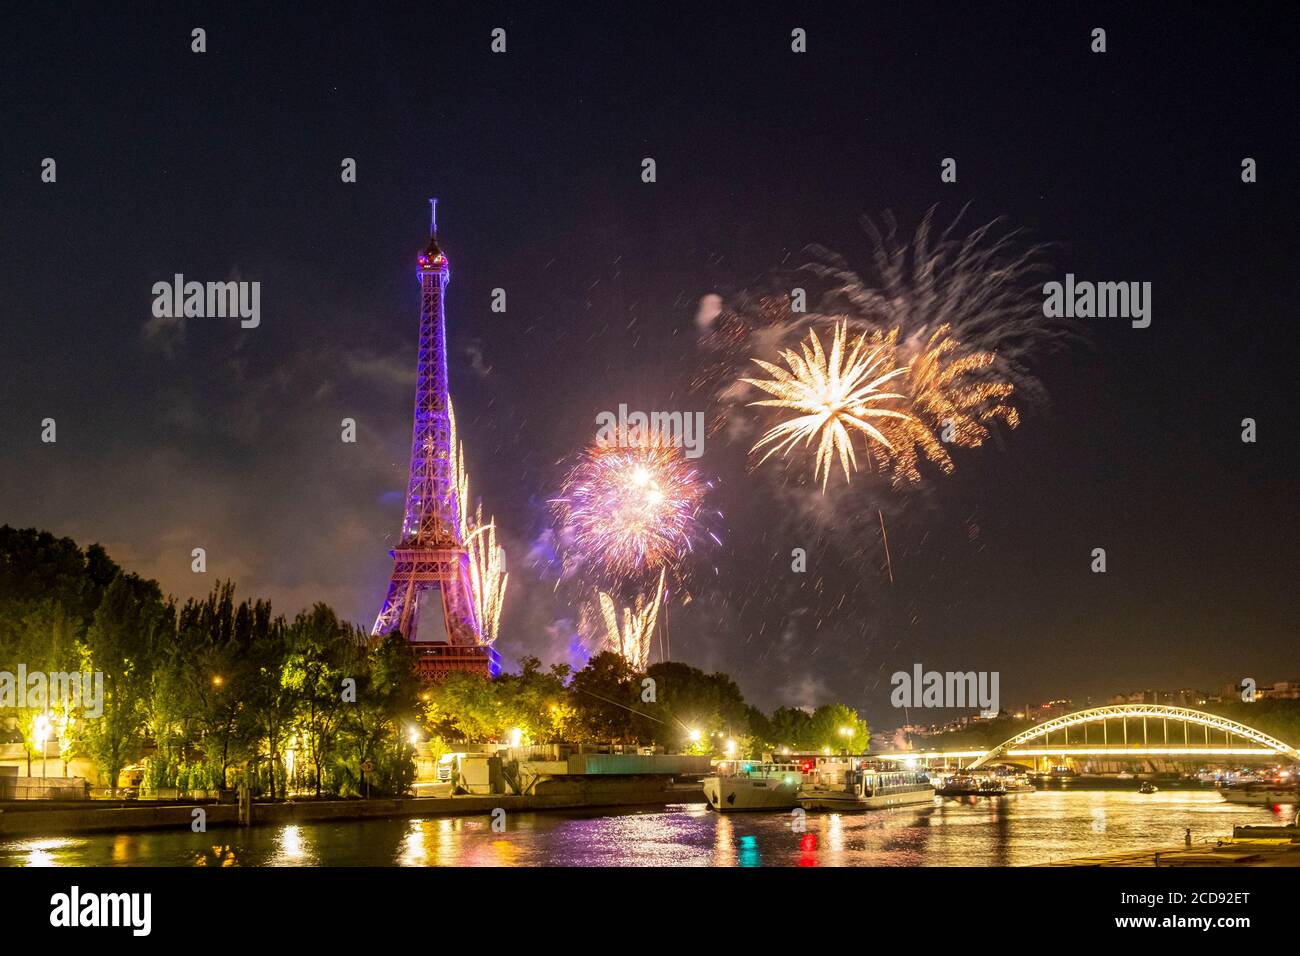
{"x":1264,"y":794}
{"x":853,"y":790}
{"x":753,"y":785}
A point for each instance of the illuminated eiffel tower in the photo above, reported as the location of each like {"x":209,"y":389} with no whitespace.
{"x":430,"y":599}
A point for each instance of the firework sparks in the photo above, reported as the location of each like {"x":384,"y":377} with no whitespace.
{"x":958,"y":312}
{"x":629,"y":511}
{"x":487,"y":559}
{"x":629,"y":635}
{"x":487,"y":575}
{"x":836,"y":394}
{"x":979,"y":288}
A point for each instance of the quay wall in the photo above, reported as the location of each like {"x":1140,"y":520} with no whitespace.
{"x":86,"y":817}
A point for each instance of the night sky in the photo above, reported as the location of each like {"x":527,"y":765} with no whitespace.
{"x":227,"y":165}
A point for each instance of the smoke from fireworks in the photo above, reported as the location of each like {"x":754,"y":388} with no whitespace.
{"x":627,"y":511}
{"x":835,"y":392}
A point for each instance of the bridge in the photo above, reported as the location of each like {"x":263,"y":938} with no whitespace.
{"x":1120,"y":732}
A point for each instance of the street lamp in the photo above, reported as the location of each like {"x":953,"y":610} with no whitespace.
{"x":41,"y":730}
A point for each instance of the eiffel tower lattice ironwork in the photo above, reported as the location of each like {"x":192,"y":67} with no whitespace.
{"x":430,"y":600}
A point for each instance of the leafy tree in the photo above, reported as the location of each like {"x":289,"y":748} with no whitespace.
{"x":376,"y":728}
{"x":314,"y":673}
{"x":691,"y":701}
{"x":535,"y":701}
{"x":127,"y":623}
{"x":827,"y":725}
{"x":607,"y":697}
{"x":268,"y":703}
{"x":464,"y":706}
{"x":789,"y":727}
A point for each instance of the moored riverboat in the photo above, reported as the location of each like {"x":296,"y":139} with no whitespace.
{"x":856,"y":790}
{"x":963,"y":785}
{"x":1262,"y":793}
{"x":753,"y":785}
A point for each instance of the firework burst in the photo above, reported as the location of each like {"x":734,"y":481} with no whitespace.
{"x":952,"y":393}
{"x":487,"y":559}
{"x":956,"y":313}
{"x":487,"y":575}
{"x":629,"y":511}
{"x":836,"y":393}
{"x":979,"y":288}
{"x":629,"y":633}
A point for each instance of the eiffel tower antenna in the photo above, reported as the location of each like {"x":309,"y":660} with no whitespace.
{"x":433,"y":219}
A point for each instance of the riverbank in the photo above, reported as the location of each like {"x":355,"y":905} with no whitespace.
{"x":87,"y":817}
{"x":1255,"y":846}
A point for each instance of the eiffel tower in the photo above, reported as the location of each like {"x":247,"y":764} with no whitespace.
{"x":430,"y":600}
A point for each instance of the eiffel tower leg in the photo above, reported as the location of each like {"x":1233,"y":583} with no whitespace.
{"x":394,"y":609}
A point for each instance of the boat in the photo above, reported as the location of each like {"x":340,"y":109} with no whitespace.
{"x":852,"y":790}
{"x":1148,"y":787}
{"x":1261,"y":793}
{"x":962,"y":785}
{"x":753,"y":785}
{"x":1016,"y":783}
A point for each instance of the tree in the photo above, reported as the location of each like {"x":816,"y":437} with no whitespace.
{"x":535,"y":701}
{"x":606,"y":696}
{"x":689,"y":701}
{"x":463,"y":706}
{"x":789,"y":728}
{"x":836,"y":727}
{"x":126,"y":625}
{"x":268,"y":703}
{"x":376,"y":728}
{"x":314,"y":673}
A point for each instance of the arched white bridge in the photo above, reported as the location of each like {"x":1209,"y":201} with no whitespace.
{"x":1194,"y":733}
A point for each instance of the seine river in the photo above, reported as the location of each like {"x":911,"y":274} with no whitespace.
{"x":973,"y":831}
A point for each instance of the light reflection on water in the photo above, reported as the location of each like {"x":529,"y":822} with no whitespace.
{"x":1013,"y":830}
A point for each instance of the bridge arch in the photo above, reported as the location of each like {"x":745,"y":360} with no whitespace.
{"x":1211,"y":722}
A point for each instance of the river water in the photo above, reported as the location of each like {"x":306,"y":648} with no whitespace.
{"x":972,"y":831}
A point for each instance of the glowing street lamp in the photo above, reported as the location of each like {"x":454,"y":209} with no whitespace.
{"x":41,"y":730}
{"x":516,"y":737}
{"x":694,"y":736}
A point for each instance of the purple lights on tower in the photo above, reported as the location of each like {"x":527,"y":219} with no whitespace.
{"x":429,"y":595}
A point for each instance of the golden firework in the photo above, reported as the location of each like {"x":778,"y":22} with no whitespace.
{"x":836,"y":394}
{"x":487,"y":560}
{"x":630,"y":633}
{"x":951,"y":395}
